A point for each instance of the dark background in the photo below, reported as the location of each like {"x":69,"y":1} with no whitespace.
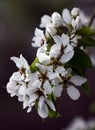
{"x":18,"y":19}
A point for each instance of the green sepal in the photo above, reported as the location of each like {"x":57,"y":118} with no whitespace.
{"x":33,"y":66}
{"x":85,"y":31}
{"x":86,"y":88}
{"x":53,"y":114}
{"x":87,"y":41}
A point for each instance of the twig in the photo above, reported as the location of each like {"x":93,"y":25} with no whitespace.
{"x":92,"y":18}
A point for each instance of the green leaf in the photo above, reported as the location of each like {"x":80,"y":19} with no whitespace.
{"x":87,"y":41}
{"x":33,"y":67}
{"x":85,"y":31}
{"x":79,"y":62}
{"x":86,"y":88}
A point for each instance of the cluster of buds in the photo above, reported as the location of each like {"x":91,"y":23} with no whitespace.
{"x":50,"y":74}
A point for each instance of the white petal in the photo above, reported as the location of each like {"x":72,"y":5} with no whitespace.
{"x":65,"y":39}
{"x":43,"y":58}
{"x":45,"y":20}
{"x":41,"y":102}
{"x":22,"y":89}
{"x":75,"y":12}
{"x":32,"y":98}
{"x":56,"y":19}
{"x":57,"y":39}
{"x":60,"y":69}
{"x":51,"y":75}
{"x":55,"y":50}
{"x":16,"y":76}
{"x":66,"y":57}
{"x":68,"y":48}
{"x":41,"y":67}
{"x":78,"y":23}
{"x":51,"y":29}
{"x":12,"y":87}
{"x":35,"y":85}
{"x":47,"y":87}
{"x":43,"y":110}
{"x":50,"y":103}
{"x":78,"y":80}
{"x":73,"y":93}
{"x":66,"y":16}
{"x":39,"y":32}
{"x":57,"y":90}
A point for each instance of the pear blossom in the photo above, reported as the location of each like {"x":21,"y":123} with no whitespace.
{"x":39,"y":38}
{"x":23,"y":67}
{"x":51,"y":74}
{"x":64,"y":42}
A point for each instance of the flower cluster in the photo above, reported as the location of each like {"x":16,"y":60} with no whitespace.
{"x":56,"y":67}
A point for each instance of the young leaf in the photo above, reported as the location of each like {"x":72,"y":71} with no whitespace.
{"x":33,"y":67}
{"x":85,"y":31}
{"x":86,"y":88}
{"x":87,"y":41}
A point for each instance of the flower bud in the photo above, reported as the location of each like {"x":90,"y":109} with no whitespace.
{"x":75,"y":12}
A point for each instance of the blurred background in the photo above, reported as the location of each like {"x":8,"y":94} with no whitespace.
{"x":18,"y":19}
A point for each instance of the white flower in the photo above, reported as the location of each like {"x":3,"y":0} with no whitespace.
{"x":64,"y":42}
{"x":23,"y":67}
{"x":35,"y":92}
{"x":73,"y":92}
{"x":39,"y":38}
{"x":75,"y":12}
{"x":56,"y":19}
